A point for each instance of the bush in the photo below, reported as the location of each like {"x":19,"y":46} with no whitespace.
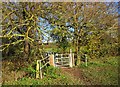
{"x":31,"y":70}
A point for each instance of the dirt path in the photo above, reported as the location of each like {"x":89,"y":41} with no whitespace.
{"x":77,"y":74}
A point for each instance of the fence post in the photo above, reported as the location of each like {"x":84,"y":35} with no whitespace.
{"x":85,"y":60}
{"x":37,"y":69}
{"x":70,"y":59}
{"x":52,"y":62}
{"x":73,"y":62}
{"x":61,"y":59}
{"x":40,"y":71}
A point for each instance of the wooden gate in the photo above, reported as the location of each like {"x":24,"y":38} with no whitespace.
{"x":64,"y":60}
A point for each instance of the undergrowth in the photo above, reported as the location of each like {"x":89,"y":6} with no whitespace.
{"x":51,"y":76}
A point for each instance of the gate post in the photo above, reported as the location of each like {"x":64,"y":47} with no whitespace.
{"x":70,"y":59}
{"x":37,"y":69}
{"x":73,"y":62}
{"x":40,"y":70}
{"x":52,"y":61}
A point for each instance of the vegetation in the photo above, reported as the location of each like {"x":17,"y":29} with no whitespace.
{"x":52,"y":76}
{"x":102,"y":72}
{"x":98,"y":72}
{"x":29,"y":29}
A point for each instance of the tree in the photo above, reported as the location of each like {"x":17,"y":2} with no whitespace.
{"x":20,"y":25}
{"x":85,"y":24}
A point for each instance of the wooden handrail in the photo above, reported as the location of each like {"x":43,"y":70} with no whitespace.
{"x":44,"y":58}
{"x":40,"y":66}
{"x":44,"y":65}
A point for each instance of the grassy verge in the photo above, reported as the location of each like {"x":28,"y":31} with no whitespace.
{"x":102,"y":71}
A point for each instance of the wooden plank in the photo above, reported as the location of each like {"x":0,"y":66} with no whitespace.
{"x":63,"y":62}
{"x":62,"y":54}
{"x":63,"y":58}
{"x":62,"y":65}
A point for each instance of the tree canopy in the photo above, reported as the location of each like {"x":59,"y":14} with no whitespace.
{"x":86,"y":26}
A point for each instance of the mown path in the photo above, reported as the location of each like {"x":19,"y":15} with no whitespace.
{"x":77,"y":74}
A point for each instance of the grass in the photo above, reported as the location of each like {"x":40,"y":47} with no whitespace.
{"x":102,"y":72}
{"x":99,"y":72}
{"x":52,"y":76}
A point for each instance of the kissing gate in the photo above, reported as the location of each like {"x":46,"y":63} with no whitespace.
{"x":56,"y":60}
{"x":62,"y":60}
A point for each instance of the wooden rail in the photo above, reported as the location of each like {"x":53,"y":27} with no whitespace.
{"x":39,"y":67}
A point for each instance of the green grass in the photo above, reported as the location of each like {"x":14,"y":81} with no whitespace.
{"x":102,"y":72}
{"x":99,"y":72}
{"x":62,"y":80}
{"x":52,"y":76}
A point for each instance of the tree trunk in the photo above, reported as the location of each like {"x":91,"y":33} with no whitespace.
{"x":77,"y":51}
{"x":26,"y":49}
{"x":77,"y":36}
{"x":26,"y":44}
